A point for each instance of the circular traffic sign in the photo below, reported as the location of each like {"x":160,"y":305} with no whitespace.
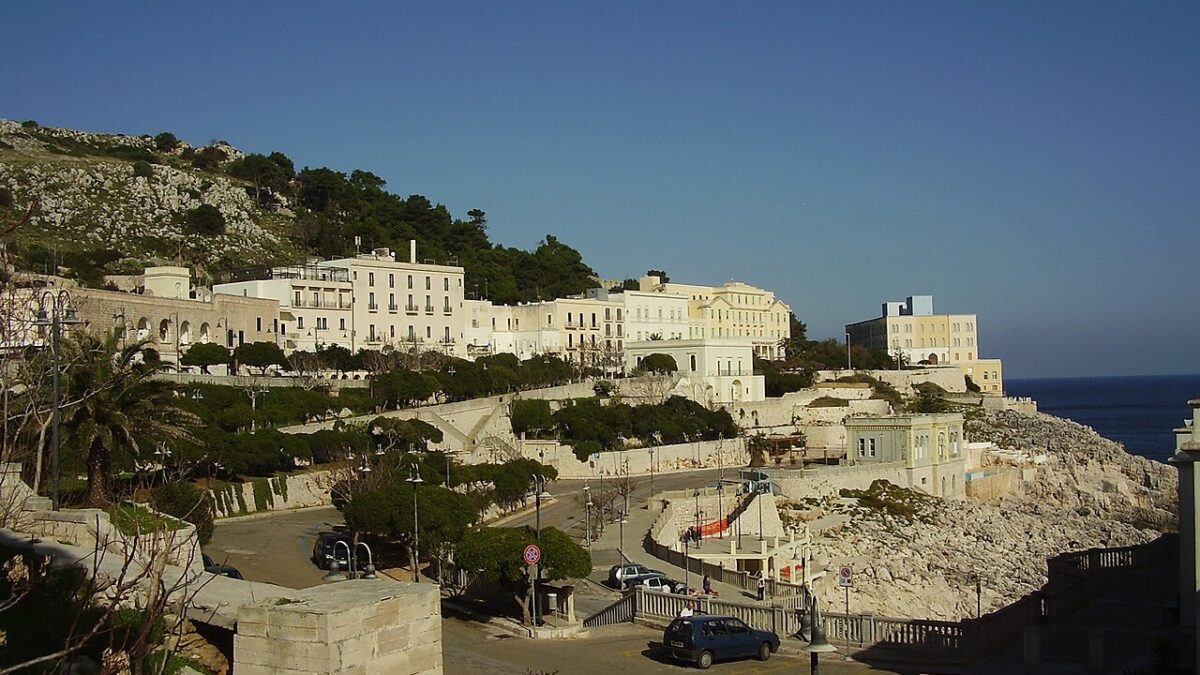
{"x":532,"y":554}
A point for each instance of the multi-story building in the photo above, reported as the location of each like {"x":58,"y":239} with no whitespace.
{"x":930,"y":448}
{"x":648,"y":315}
{"x":711,"y":370}
{"x":368,"y":301}
{"x":732,"y":310}
{"x":164,"y":308}
{"x":911,"y":331}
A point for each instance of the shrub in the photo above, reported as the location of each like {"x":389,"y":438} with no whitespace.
{"x":142,"y":169}
{"x":186,"y":502}
{"x":829,"y":402}
{"x":205,"y":219}
{"x":166,"y":142}
{"x":6,"y":198}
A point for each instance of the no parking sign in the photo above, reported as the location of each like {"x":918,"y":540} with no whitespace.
{"x":532,"y":554}
{"x":845,"y":576}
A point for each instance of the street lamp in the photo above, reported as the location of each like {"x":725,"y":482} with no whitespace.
{"x":539,"y":491}
{"x":54,"y":312}
{"x":819,"y":643}
{"x":622,"y":521}
{"x":254,"y":393}
{"x":335,"y":572}
{"x":414,"y":477}
{"x":587,"y":523}
{"x":721,"y":509}
{"x":369,"y":570}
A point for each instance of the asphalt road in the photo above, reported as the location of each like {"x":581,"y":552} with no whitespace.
{"x":274,"y":548}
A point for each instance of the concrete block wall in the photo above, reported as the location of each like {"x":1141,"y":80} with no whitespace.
{"x":361,"y":626}
{"x":303,"y":489}
{"x":730,"y":453}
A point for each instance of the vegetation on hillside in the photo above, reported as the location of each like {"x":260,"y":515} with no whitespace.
{"x":135,"y":199}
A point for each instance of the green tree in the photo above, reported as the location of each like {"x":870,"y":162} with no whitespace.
{"x":205,"y":354}
{"x":205,"y":219}
{"x":186,"y":502}
{"x":402,"y":387}
{"x":166,"y":142}
{"x":393,"y":433}
{"x":142,"y":169}
{"x":261,"y":171}
{"x":662,"y":276}
{"x":658,"y":363}
{"x":114,"y":400}
{"x":260,"y":355}
{"x":495,"y":554}
{"x":531,"y":416}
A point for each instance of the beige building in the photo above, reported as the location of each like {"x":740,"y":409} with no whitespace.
{"x":732,"y":310}
{"x":711,"y":371}
{"x":167,"y":310}
{"x":932,"y":448}
{"x":910,"y":330}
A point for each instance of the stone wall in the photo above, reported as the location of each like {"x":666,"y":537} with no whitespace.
{"x":730,"y":453}
{"x":829,"y":481}
{"x":993,"y":483}
{"x":292,"y":491}
{"x":359,"y":626}
{"x":951,"y":378}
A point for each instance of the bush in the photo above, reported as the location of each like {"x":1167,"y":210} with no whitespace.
{"x":186,"y":502}
{"x":6,"y":198}
{"x":658,"y":363}
{"x":205,"y":219}
{"x":166,"y":142}
{"x":142,"y":169}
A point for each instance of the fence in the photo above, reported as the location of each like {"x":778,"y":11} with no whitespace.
{"x":1064,"y":593}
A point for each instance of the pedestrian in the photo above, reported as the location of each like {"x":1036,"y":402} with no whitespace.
{"x":762,"y":586}
{"x":708,"y":590}
{"x":686,"y":611}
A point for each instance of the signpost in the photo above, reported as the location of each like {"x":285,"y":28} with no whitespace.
{"x":532,"y":555}
{"x":846,"y":580}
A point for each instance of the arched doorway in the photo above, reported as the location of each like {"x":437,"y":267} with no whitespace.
{"x":735,"y":391}
{"x":932,"y":359}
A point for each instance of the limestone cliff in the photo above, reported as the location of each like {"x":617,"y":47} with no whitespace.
{"x":916,"y":555}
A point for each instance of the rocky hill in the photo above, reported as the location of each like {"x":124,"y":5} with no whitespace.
{"x":110,"y":203}
{"x":97,"y":192}
{"x":917,"y":555}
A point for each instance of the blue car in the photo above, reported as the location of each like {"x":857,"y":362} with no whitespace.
{"x":705,"y":639}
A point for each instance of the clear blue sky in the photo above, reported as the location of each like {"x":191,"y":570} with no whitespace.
{"x":1036,"y":163}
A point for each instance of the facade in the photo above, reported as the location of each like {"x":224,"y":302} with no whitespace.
{"x":168,"y":311}
{"x":650,"y":316}
{"x":1187,"y":461}
{"x":932,"y":448}
{"x":711,"y":371}
{"x":910,"y":330}
{"x":732,"y":310}
{"x":366,"y":302}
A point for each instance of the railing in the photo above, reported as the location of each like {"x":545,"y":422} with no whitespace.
{"x":411,"y":309}
{"x":621,"y":611}
{"x":429,"y":309}
{"x":393,"y":308}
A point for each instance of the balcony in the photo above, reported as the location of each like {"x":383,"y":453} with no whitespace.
{"x":393,"y":308}
{"x":429,"y":309}
{"x":447,"y":311}
{"x":324,"y":304}
{"x":373,"y":307}
{"x":411,"y":309}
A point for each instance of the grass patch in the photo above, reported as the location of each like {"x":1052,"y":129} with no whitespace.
{"x":829,"y":402}
{"x":902,"y":503}
{"x":131,"y":519}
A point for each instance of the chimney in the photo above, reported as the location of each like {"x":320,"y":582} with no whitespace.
{"x":412,"y":250}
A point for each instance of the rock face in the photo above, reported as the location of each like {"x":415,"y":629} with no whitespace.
{"x":920,"y":559}
{"x":101,"y":203}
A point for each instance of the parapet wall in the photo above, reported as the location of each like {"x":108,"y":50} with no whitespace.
{"x":730,"y":453}
{"x":357,"y":626}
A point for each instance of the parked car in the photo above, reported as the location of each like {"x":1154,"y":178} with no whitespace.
{"x":618,"y":573}
{"x":653,"y":582}
{"x":213,"y":567}
{"x":705,"y":639}
{"x":325,"y":548}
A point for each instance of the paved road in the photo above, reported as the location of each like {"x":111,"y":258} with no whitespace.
{"x":274,"y":548}
{"x":473,"y":649}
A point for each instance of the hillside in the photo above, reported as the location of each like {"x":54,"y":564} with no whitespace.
{"x":111,"y":203}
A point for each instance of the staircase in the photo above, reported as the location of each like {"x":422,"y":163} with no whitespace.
{"x":621,"y":611}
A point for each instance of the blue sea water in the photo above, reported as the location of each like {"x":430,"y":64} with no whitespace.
{"x":1140,"y":411}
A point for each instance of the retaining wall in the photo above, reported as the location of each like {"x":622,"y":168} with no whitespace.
{"x":730,"y":453}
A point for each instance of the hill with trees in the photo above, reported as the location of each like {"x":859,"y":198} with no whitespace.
{"x":92,"y":204}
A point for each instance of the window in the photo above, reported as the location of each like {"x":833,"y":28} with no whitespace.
{"x":428,"y":283}
{"x":299,"y":322}
{"x":296,"y":300}
{"x":392,"y":332}
{"x":692,"y":359}
{"x":446,"y":284}
{"x":258,"y":324}
{"x":316,"y":298}
{"x":862,"y":447}
{"x":428,"y":331}
{"x":410,"y":282}
{"x":391,"y":281}
{"x":371,"y":279}
{"x":371,"y":301}
{"x":341,"y":324}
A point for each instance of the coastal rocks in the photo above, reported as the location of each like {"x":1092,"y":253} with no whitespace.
{"x":919,"y":556}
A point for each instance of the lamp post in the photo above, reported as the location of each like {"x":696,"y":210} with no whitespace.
{"x":849,"y":366}
{"x":335,"y":572}
{"x":254,"y":393}
{"x":587,"y":523}
{"x":539,"y":490}
{"x":621,"y":549}
{"x":414,"y":477}
{"x":369,"y":570}
{"x":819,"y":643}
{"x":54,"y":312}
{"x":721,"y":509}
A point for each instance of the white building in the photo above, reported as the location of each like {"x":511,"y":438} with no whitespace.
{"x":731,"y":310}
{"x":650,"y":315}
{"x":712,"y":371}
{"x":368,"y":301}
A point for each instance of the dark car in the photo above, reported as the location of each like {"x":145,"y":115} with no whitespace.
{"x":326,"y":547}
{"x":704,"y":639}
{"x":213,"y":567}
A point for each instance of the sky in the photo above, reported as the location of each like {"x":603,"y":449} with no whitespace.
{"x":1035,"y":163}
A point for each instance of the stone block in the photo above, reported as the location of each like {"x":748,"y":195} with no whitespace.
{"x":292,"y":633}
{"x":251,"y":629}
{"x":309,"y":657}
{"x":354,"y":651}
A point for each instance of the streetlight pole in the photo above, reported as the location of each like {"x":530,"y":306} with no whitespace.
{"x":848,"y":363}
{"x":721,"y":509}
{"x":414,"y":477}
{"x":539,"y":488}
{"x":59,"y":314}
{"x":622,"y":542}
{"x":587,"y":523}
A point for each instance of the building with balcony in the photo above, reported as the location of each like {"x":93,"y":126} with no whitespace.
{"x":711,"y":371}
{"x":731,"y":310}
{"x":929,"y":449}
{"x":316,"y":302}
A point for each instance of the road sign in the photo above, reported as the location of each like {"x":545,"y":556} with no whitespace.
{"x":845,"y":576}
{"x":532,"y":554}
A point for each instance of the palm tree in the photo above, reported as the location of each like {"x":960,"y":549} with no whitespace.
{"x":113,"y":400}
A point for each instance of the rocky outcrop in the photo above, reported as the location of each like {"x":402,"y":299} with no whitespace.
{"x":917,"y":556}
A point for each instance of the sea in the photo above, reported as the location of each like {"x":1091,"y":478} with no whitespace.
{"x":1140,"y":412}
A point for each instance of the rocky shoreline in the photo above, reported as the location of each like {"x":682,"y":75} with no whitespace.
{"x":917,"y":556}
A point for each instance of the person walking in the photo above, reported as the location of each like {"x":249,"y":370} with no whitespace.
{"x":707,"y":585}
{"x":762,"y":587}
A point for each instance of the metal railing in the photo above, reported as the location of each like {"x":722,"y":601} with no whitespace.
{"x":621,"y":611}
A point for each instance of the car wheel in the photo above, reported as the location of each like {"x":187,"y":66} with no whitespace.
{"x":764,"y":651}
{"x":704,"y":661}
